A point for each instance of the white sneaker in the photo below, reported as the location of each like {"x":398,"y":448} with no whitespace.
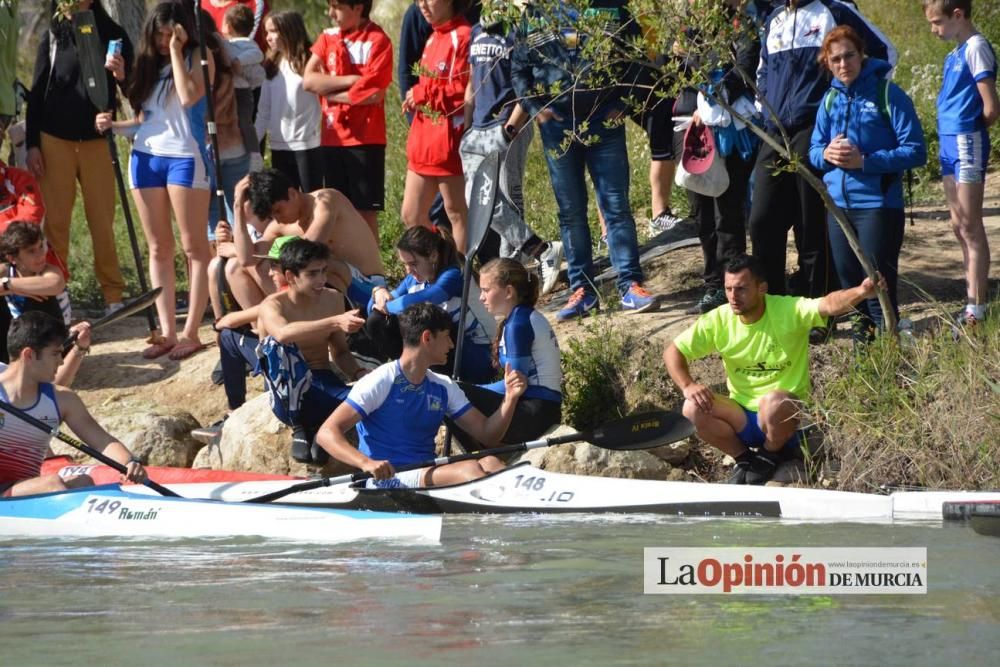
{"x":671,"y":227}
{"x":550,"y":263}
{"x":113,"y":308}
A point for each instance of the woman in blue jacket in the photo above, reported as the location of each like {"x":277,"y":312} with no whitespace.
{"x":866,"y":135}
{"x":433,"y":275}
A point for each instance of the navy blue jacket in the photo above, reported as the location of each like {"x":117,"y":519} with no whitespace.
{"x":789,"y":76}
{"x":890,"y":145}
{"x":548,"y":69}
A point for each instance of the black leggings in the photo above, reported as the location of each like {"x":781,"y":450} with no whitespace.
{"x":532,"y":416}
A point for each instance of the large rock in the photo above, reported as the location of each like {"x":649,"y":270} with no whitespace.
{"x":254,"y":440}
{"x":675,"y":453}
{"x":156,"y":439}
{"x":585,"y":459}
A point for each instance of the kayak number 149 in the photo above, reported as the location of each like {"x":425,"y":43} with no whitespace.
{"x":535,"y":483}
{"x":107,"y":506}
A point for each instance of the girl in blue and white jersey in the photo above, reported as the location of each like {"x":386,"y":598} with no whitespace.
{"x":168,"y":167}
{"x":525,"y":342}
{"x":433,"y":275}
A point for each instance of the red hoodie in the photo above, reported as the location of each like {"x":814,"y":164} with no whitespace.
{"x":432,"y":147}
{"x":366,"y":52}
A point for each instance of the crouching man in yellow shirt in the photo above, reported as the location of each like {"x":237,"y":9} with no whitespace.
{"x":763,"y":340}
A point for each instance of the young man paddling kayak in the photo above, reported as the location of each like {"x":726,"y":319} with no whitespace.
{"x":35,"y":343}
{"x":401,"y":405}
{"x":763,"y":340}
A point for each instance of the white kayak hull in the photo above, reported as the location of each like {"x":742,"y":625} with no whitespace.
{"x":109,"y":511}
{"x":524,"y":488}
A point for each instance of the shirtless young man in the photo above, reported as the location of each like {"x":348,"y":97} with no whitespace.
{"x":325,"y":216}
{"x":309,"y":317}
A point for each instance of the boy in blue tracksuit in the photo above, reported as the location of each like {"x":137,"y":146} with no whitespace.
{"x":792,"y":85}
{"x":878,"y":119}
{"x":967,"y":105}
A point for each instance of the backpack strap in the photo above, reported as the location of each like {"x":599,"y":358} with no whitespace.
{"x":883,"y":99}
{"x":828,"y":99}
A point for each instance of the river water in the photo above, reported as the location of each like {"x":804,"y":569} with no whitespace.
{"x":523,"y":590}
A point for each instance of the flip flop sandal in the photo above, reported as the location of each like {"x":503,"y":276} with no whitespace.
{"x":158,"y":349}
{"x":184,"y":350}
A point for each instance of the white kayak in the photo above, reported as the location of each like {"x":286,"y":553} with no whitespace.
{"x":110,"y":511}
{"x":524,"y":488}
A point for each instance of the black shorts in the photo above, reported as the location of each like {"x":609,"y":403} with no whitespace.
{"x":654,"y":113}
{"x":358,"y":172}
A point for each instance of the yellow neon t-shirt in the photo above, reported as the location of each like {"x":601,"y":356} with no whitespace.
{"x":770,"y":354}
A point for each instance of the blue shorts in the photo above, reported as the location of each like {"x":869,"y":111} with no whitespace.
{"x":752,"y":436}
{"x":965,"y":156}
{"x":153,"y":171}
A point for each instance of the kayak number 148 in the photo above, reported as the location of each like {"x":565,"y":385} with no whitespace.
{"x":535,"y":483}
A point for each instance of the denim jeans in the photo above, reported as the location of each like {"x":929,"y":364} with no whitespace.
{"x":880,"y":233}
{"x":232,"y":171}
{"x":606,"y":159}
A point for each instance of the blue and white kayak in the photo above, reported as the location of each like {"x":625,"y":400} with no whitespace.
{"x":109,"y":511}
{"x":525,"y":488}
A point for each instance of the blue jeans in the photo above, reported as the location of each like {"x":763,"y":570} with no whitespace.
{"x":607,"y":161}
{"x":880,"y":233}
{"x":232,"y":171}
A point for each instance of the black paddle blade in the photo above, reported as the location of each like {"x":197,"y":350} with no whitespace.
{"x":92,"y":56}
{"x":481,"y":203}
{"x":141,"y":302}
{"x":642,"y":431}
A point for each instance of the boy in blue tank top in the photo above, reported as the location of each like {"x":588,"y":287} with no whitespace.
{"x":967,"y":106}
{"x":399,"y":407}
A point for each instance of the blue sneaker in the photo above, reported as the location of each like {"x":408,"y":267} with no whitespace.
{"x":580,"y":303}
{"x":638,"y":300}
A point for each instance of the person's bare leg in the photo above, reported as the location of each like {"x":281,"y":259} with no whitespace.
{"x":720,"y":426}
{"x":661,"y":181}
{"x":965,"y":201}
{"x":778,"y":418}
{"x":191,"y":208}
{"x":453,"y":473}
{"x":418,"y":195}
{"x":50,"y":484}
{"x":244,"y":287}
{"x":153,"y":206}
{"x":371,"y":217}
{"x":452,"y":190}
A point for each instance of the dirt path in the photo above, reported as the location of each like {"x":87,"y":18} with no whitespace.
{"x":115,"y":378}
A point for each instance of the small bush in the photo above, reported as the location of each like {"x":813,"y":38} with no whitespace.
{"x":925,"y":415}
{"x":611,"y":371}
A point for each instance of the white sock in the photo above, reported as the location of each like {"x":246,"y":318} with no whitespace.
{"x":978,"y":311}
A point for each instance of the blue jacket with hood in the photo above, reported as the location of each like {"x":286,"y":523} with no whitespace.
{"x":890,"y":145}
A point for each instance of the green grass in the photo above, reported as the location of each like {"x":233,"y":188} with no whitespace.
{"x":921,"y":57}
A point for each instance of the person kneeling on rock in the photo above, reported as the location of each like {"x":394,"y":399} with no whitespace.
{"x":763,"y":340}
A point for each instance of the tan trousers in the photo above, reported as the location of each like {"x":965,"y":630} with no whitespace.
{"x":88,"y":162}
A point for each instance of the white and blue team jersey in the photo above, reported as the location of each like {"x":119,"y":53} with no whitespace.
{"x":959,"y":105}
{"x":168,"y":129}
{"x":446,"y":292}
{"x":529,"y":345}
{"x":398,"y":419}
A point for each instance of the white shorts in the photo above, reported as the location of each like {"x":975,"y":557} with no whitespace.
{"x":409,"y":479}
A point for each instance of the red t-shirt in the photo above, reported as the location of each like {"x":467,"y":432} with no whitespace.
{"x":259,"y":9}
{"x":366,"y":52}
{"x":432,"y":146}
